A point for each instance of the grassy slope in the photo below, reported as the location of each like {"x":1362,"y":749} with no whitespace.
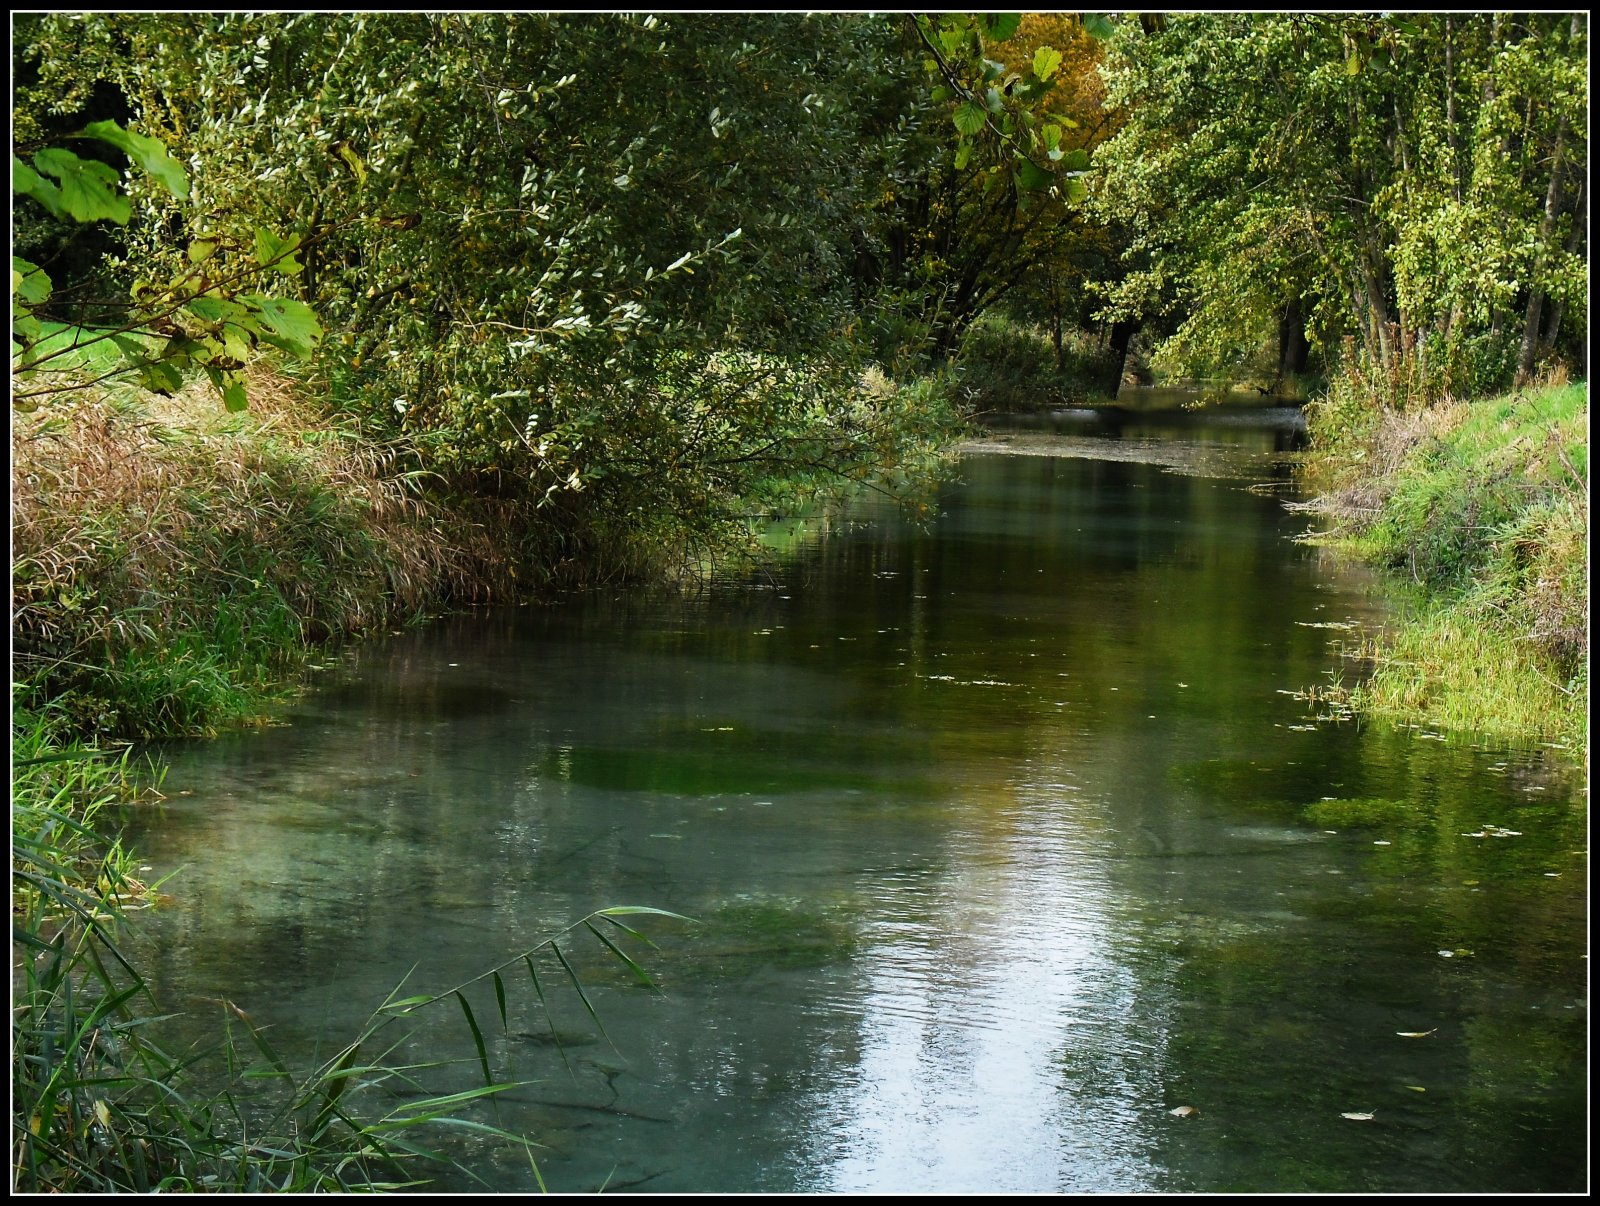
{"x":1483,"y":506}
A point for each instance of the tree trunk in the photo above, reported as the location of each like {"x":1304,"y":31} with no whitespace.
{"x":1121,"y":336}
{"x":1528,"y":352}
{"x":1293,"y":349}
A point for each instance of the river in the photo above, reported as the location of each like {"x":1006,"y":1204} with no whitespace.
{"x":1018,"y":858}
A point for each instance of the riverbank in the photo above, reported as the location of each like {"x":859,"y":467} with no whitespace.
{"x":1482,"y":508}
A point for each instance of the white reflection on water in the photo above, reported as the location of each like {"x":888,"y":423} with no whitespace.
{"x":968,"y":1023}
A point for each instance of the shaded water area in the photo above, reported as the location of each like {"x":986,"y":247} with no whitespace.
{"x":1006,"y":835}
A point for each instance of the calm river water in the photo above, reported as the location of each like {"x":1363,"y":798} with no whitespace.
{"x":1006,"y":838}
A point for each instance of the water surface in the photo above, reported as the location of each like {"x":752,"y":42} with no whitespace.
{"x":1006,"y":834}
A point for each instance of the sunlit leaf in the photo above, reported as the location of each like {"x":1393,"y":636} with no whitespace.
{"x":968,"y":118}
{"x":636,"y":910}
{"x":149,"y":153}
{"x":278,"y":252}
{"x":28,"y":182}
{"x":1045,"y":61}
{"x":353,"y":162}
{"x":29,"y":281}
{"x":1358,"y":1116}
{"x":88,"y":187}
{"x":292,"y":325}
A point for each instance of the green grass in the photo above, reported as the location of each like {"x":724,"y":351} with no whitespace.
{"x":1483,"y":508}
{"x":1448,"y":669}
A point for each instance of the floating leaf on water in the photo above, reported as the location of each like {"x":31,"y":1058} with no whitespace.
{"x":1184,"y":1112}
{"x":1447,"y":954}
{"x":1417,"y":1033}
{"x":1416,"y":1088}
{"x":1358,"y":1116}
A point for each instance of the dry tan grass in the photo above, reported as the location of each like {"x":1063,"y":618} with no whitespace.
{"x":136,"y":518}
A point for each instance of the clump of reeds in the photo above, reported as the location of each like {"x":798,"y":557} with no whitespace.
{"x":170,"y":561}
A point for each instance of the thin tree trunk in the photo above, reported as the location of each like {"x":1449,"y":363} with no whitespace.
{"x":1528,"y":352}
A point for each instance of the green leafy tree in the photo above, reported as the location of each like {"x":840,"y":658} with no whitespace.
{"x":204,"y":316}
{"x":987,"y":168}
{"x":592,"y":265}
{"x":1412,"y":183}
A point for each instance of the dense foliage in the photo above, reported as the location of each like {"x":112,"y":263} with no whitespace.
{"x":1415,"y":184}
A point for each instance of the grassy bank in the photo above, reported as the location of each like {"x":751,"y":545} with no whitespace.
{"x":1482,"y":507}
{"x":174,"y":566}
{"x":172,"y":563}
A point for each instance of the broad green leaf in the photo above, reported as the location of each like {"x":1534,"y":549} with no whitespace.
{"x":149,"y":153}
{"x":213,"y":310}
{"x":29,"y":183}
{"x":237,"y":343}
{"x":160,"y":377}
{"x":1045,"y":61}
{"x":88,"y":187}
{"x":999,"y":27}
{"x":30,"y":281}
{"x":1352,"y":66}
{"x":1077,"y":192}
{"x":991,"y":97}
{"x":1076,"y":160}
{"x":963,"y":155}
{"x":1098,"y":25}
{"x":1051,"y":133}
{"x":992,"y":70}
{"x":1033,"y":177}
{"x":968,"y":118}
{"x":270,"y":249}
{"x":291,"y":324}
{"x":26,"y":327}
{"x":201,"y":250}
{"x":230,"y":385}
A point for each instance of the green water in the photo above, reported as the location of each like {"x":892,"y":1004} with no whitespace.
{"x":1006,"y":836}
